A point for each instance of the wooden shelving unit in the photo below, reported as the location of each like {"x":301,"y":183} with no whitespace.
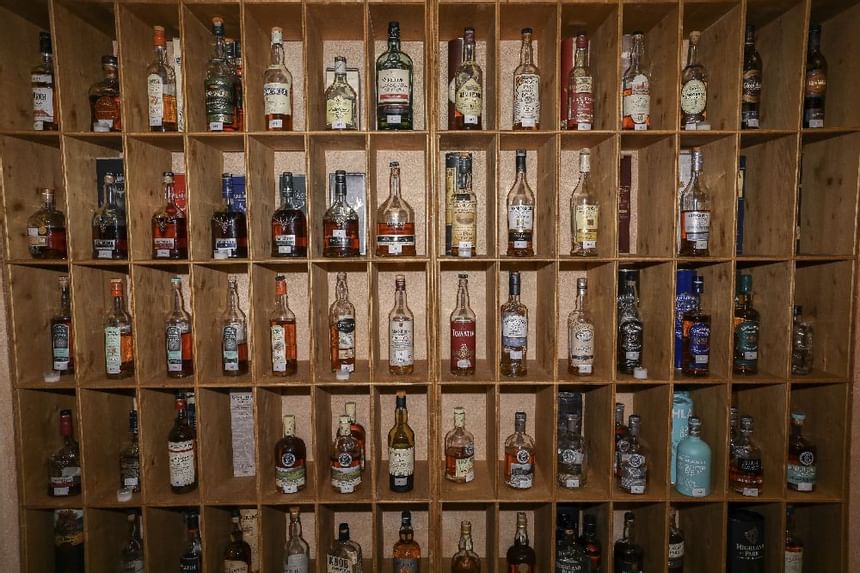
{"x":781,"y":157}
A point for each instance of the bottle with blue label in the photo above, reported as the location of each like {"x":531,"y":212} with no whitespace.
{"x":682,"y":409}
{"x":685,"y":301}
{"x":746,"y":321}
{"x":693,"y":471}
{"x":696,"y":335}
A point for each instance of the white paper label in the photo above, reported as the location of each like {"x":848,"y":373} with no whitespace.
{"x":400,"y":343}
{"x":182,"y":466}
{"x":392,"y":87}
{"x":527,"y":100}
{"x":276,"y":98}
{"x":637,"y":103}
{"x":155,"y":93}
{"x":401,"y":462}
{"x":113,"y":350}
{"x":520,"y":217}
{"x":694,"y":96}
{"x":297,"y":563}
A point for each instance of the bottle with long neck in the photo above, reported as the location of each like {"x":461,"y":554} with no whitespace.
{"x":802,"y":344}
{"x":65,"y":464}
{"x":401,"y":332}
{"x":521,"y":207}
{"x":119,"y":342}
{"x":234,"y":334}
{"x":463,"y":328}
{"x":468,"y":87}
{"x":590,"y":542}
{"x":816,"y":81}
{"x":526,"y":93}
{"x":289,"y":224}
{"x":395,"y":221}
{"x":129,"y":457}
{"x":676,"y":543}
{"x":802,"y":454}
{"x":696,"y":335}
{"x":515,"y":331}
{"x":751,"y":90}
{"x":191,"y":560}
{"x":636,"y":93}
{"x":42,"y":81}
{"x":407,"y":552}
{"x":229,"y":225}
{"x":401,"y":449}
{"x":580,"y":97}
{"x":629,"y":557}
{"x":110,"y":233}
{"x":219,"y":85}
{"x":634,"y":466}
{"x":580,"y":334}
{"x":296,"y":550}
{"x":169,"y":225}
{"x":62,"y":333}
{"x":340,"y":223}
{"x":358,"y":431}
{"x":521,"y":556}
{"x":394,"y":84}
{"x":344,"y":555}
{"x":161,"y":86}
{"x":746,"y":329}
{"x":584,"y":211}
{"x":177,"y":336}
{"x":621,"y":434}
{"x":105,"y":102}
{"x":131,"y":558}
{"x":46,"y":229}
{"x":278,"y":87}
{"x":345,"y":462}
{"x":341,"y":321}
{"x":237,"y":554}
{"x":793,"y":554}
{"x":464,"y":207}
{"x":465,"y":560}
{"x":694,"y":87}
{"x":282,"y":324}
{"x":182,"y":451}
{"x":695,"y":211}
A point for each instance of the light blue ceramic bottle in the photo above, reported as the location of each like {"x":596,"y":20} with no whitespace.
{"x":682,"y":409}
{"x":693,"y":472}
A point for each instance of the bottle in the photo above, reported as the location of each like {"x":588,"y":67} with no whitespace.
{"x":685,"y":301}
{"x":282,"y":331}
{"x":520,"y":455}
{"x":191,"y":560}
{"x":816,"y":80}
{"x":395,"y":221}
{"x":289,"y":224}
{"x":580,"y":334}
{"x":110,"y":233}
{"x":580,"y":86}
{"x":290,"y":459}
{"x":401,"y":336}
{"x":219,"y":85}
{"x":62,"y":334}
{"x":465,"y":560}
{"x":104,"y":99}
{"x":631,"y":336}
{"x":394,"y":84}
{"x":695,"y":208}
{"x":636,"y":89}
{"x":278,"y":87}
{"x":42,"y":81}
{"x":629,"y":557}
{"x":296,"y":550}
{"x":68,"y":541}
{"x":358,"y":432}
{"x":459,"y":450}
{"x":46,"y":229}
{"x":129,"y":456}
{"x":694,"y":87}
{"x":345,"y":459}
{"x":341,"y":102}
{"x":178,"y":342}
{"x":182,"y":451}
{"x":464,"y":207}
{"x":515,"y":330}
{"x":802,"y":339}
{"x":469,"y":87}
{"x":340,"y":223}
{"x":169,"y":225}
{"x":401,"y":449}
{"x":237,"y":554}
{"x":682,"y":411}
{"x":746,"y":329}
{"x":344,"y":555}
{"x":745,"y":470}
{"x":622,"y":442}
{"x":634,"y":465}
{"x":233,"y":51}
{"x":526,"y":93}
{"x":119,"y":342}
{"x":463,"y":329}
{"x":131,"y":557}
{"x":747,"y":542}
{"x":65,"y":463}
{"x":407,"y":552}
{"x":521,"y":556}
{"x":801,"y":457}
{"x":234,"y":334}
{"x":229,"y":225}
{"x":793,"y":544}
{"x":676,"y":544}
{"x":341,"y":325}
{"x":696,"y":335}
{"x":751,"y":90}
{"x":591,"y":543}
{"x":734,"y":434}
{"x":584,"y":211}
{"x":570,"y":555}
{"x":572,"y":455}
{"x":693,"y":462}
{"x":161,"y":86}
{"x":521,"y":207}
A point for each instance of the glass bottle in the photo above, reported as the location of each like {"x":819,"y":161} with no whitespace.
{"x":590,"y":542}
{"x":340,"y":223}
{"x":290,"y":459}
{"x":465,"y":560}
{"x":42,"y":81}
{"x":191,"y":560}
{"x":229,"y":225}
{"x":341,"y":102}
{"x":131,"y":557}
{"x":219,"y":85}
{"x":793,"y":545}
{"x":401,"y":332}
{"x":622,"y":432}
{"x":520,"y":455}
{"x":119,"y":341}
{"x":105,"y":100}
{"x":232,"y":50}
{"x":734,"y":434}
{"x":676,"y":543}
{"x":289,"y":224}
{"x":521,"y":556}
{"x":463,"y":328}
{"x":110,"y":234}
{"x":816,"y":80}
{"x":526,"y":93}
{"x":694,"y":87}
{"x":636,"y":89}
{"x":631,"y":336}
{"x":129,"y":456}
{"x":161,"y":86}
{"x":746,"y":329}
{"x":802,"y":344}
{"x":177,"y":336}
{"x":282,"y":330}
{"x":344,"y":555}
{"x":358,"y":432}
{"x":695,"y":209}
{"x":345,"y":459}
{"x":341,"y":324}
{"x":580,"y":85}
{"x":572,"y":455}
{"x":65,"y":463}
{"x":407,"y":552}
{"x":584,"y":211}
{"x":69,"y":545}
{"x":693,"y":462}
{"x":629,"y":556}
{"x":751,"y":88}
{"x":469,"y":87}
{"x":459,"y":450}
{"x":696,"y":335}
{"x":401,"y":449}
{"x":278,"y":87}
{"x":234,"y":334}
{"x":580,"y":334}
{"x":62,"y":333}
{"x":521,"y":208}
{"x":46,"y":229}
{"x":746,"y":475}
{"x":801,"y":457}
{"x":634,"y":464}
{"x":395,"y":221}
{"x":570,"y":555}
{"x":682,"y":410}
{"x":237,"y":554}
{"x":296,"y":550}
{"x":515,"y":330}
{"x":464,"y":207}
{"x":169,"y":225}
{"x":394,"y":84}
{"x":182,"y":451}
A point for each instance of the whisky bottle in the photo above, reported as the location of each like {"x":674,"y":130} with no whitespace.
{"x":590,"y":543}
{"x":119,"y":341}
{"x":278,"y":87}
{"x":630,"y":327}
{"x":282,"y":330}
{"x":802,"y":338}
{"x":570,"y":554}
{"x":636,"y":89}
{"x":131,"y":556}
{"x":237,"y":554}
{"x":682,"y":410}
{"x":182,"y":451}
{"x":694,"y":87}
{"x":296,"y":550}
{"x":401,"y":449}
{"x":622,"y":434}
{"x":177,"y":336}
{"x":459,"y":450}
{"x":572,"y":455}
{"x":290,"y":459}
{"x":344,"y":555}
{"x":62,"y":334}
{"x":407,"y":552}
{"x":358,"y":432}
{"x":521,"y":556}
{"x":676,"y":544}
{"x":584,"y":211}
{"x":395,"y":221}
{"x":42,"y":81}
{"x":696,"y":335}
{"x":526,"y":93}
{"x":580,"y":85}
{"x":629,"y":556}
{"x":746,"y":329}
{"x":464,"y":211}
{"x":233,"y":51}
{"x":191,"y":560}
{"x":463,"y":329}
{"x":746,"y":474}
{"x":341,"y":102}
{"x":46,"y":229}
{"x":341,"y":324}
{"x":129,"y":456}
{"x":816,"y":80}
{"x":345,"y":459}
{"x":580,"y":334}
{"x":747,"y":543}
{"x":521,"y":208}
{"x":751,"y":88}
{"x":104,"y":99}
{"x":793,"y":553}
{"x":69,"y":543}
{"x":695,"y":223}
{"x":65,"y":464}
{"x":802,"y":455}
{"x":393,"y":84}
{"x":219,"y":85}
{"x":465,"y":560}
{"x":515,"y":331}
{"x":229,"y":226}
{"x":634,"y":465}
{"x":169,"y":225}
{"x":110,"y":233}
{"x":161,"y":86}
{"x":734,"y":433}
{"x":340,"y":223}
{"x":469,"y":87}
{"x":234,"y":334}
{"x":693,"y":462}
{"x":452,"y":161}
{"x":289,"y":224}
{"x":520,"y":455}
{"x":401,"y":332}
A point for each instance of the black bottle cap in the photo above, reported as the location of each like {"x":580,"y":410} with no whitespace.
{"x":514,"y":283}
{"x":109,"y":61}
{"x":45,"y":46}
{"x":65,"y":413}
{"x":394,"y":28}
{"x":526,"y":31}
{"x":406,"y":518}
{"x":400,"y":400}
{"x":521,"y":160}
{"x":343,"y":532}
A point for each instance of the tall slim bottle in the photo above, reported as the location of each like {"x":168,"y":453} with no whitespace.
{"x":746,"y":329}
{"x":580,"y":335}
{"x":119,"y":342}
{"x":521,"y":212}
{"x":219,"y":85}
{"x":178,"y":343}
{"x":695,"y":212}
{"x":636,"y":89}
{"x":161,"y":86}
{"x":296,"y":550}
{"x":469,"y":87}
{"x":401,"y":449}
{"x":234,"y":334}
{"x":580,"y":96}
{"x":278,"y":87}
{"x":526,"y":94}
{"x":282,"y":325}
{"x":515,"y":331}
{"x":62,"y":333}
{"x":584,"y":211}
{"x":182,"y":451}
{"x":694,"y":87}
{"x":394,"y":84}
{"x":42,"y":81}
{"x":463,"y":329}
{"x":289,"y":224}
{"x":815,"y":89}
{"x":341,"y":321}
{"x":401,"y":332}
{"x":751,"y":87}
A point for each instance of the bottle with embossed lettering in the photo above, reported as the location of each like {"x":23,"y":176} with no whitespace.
{"x":526,"y":94}
{"x":463,"y":328}
{"x":401,"y":449}
{"x":572,"y":454}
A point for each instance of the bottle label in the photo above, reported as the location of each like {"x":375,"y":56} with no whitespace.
{"x":155,"y":98}
{"x":37,"y":236}
{"x":61,"y":346}
{"x":163,"y":245}
{"x":676,"y":553}
{"x":571,"y":457}
{"x":70,"y":477}
{"x":405,"y":565}
{"x":585,"y":218}
{"x":521,"y":471}
{"x":233,"y":336}
{"x":464,"y":224}
{"x":636,"y":102}
{"x":816,"y":83}
{"x":749,"y":466}
{"x":520,"y":218}
{"x":182,"y":467}
{"x":336,"y":564}
{"x":694,"y":97}
{"x":697,"y":227}
{"x":174,"y":342}
{"x":699,"y":334}
{"x":392,"y":87}
{"x":283,"y":346}
{"x":463,"y":344}
{"x":104,"y":248}
{"x":468,"y":101}
{"x":465,"y":468}
{"x":339,"y":112}
{"x":752,"y":86}
{"x":345,"y":477}
{"x":276,"y":98}
{"x":346,"y":337}
{"x":581,"y":345}
{"x":113,"y":350}
{"x":43,"y":102}
{"x":570,"y":565}
{"x":401,"y":462}
{"x":802,"y":476}
{"x":135,"y":566}
{"x":231,"y":566}
{"x":225,"y":246}
{"x":393,"y":238}
{"x":515,"y":330}
{"x":794,"y":561}
{"x":220,"y":103}
{"x":400,"y":343}
{"x":582,"y":102}
{"x":285,"y":243}
{"x":527,"y":100}
{"x":746,"y":342}
{"x":289,"y":478}
{"x":693,"y":473}
{"x":297,"y":563}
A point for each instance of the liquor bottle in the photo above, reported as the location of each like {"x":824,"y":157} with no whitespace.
{"x":695,"y":211}
{"x":464,"y":211}
{"x":131,"y":557}
{"x":747,"y":542}
{"x":515,"y":330}
{"x":463,"y":329}
{"x":237,"y":554}
{"x":693,"y":462}
{"x":232,"y":49}
{"x":459,"y":450}
{"x":290,"y":459}
{"x":282,"y":330}
{"x":105,"y":100}
{"x":46,"y":229}
{"x":521,"y":556}
{"x":631,"y":336}
{"x":42,"y":81}
{"x":694,"y":87}
{"x":696,"y":335}
{"x":570,"y":555}
{"x":634,"y":464}
{"x":622,"y":444}
{"x":685,"y":302}
{"x":278,"y":87}
{"x":296,"y":550}
{"x":119,"y":341}
{"x":65,"y":463}
{"x":346,"y":458}
{"x":465,"y":560}
{"x":407,"y":552}
{"x":341,"y":325}
{"x":580,"y":334}
{"x":793,"y":544}
{"x":676,"y":543}
{"x":636,"y":89}
{"x":341,"y":102}
{"x":110,"y":233}
{"x":161,"y":86}
{"x":401,"y":449}
{"x":520,"y":455}
{"x":401,"y":332}
{"x":572,"y":455}
{"x":234,"y":334}
{"x":129,"y":456}
{"x":526,"y":93}
{"x":68,"y":541}
{"x":745,"y":470}
{"x":682,"y":411}
{"x":591,"y":543}
{"x":584,"y":211}
{"x":177,"y":336}
{"x":182,"y":451}
{"x":751,"y":90}
{"x":521,"y":208}
{"x":816,"y":80}
{"x":802,"y":339}
{"x":801,"y":457}
{"x":358,"y":432}
{"x":344,"y":555}
{"x":469,"y":87}
{"x":452,"y":162}
{"x":395,"y":221}
{"x":629,"y":556}
{"x":219,"y":85}
{"x":62,"y":334}
{"x":340,"y":223}
{"x":289,"y":224}
{"x":746,"y":329}
{"x":229,"y":226}
{"x":169,"y":225}
{"x":393,"y":84}
{"x":191,"y":560}
{"x":734,"y":434}
{"x":580,"y":86}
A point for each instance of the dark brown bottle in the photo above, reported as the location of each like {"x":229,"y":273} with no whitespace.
{"x":590,"y":542}
{"x":68,"y":541}
{"x":816,"y":80}
{"x":182,"y":451}
{"x":229,"y":226}
{"x":751,"y":90}
{"x":340,"y":223}
{"x":290,"y":456}
{"x":62,"y":334}
{"x":169,"y":226}
{"x":289,"y":225}
{"x":237,"y":555}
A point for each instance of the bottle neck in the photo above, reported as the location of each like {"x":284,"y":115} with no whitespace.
{"x":118,"y":304}
{"x":394,"y":183}
{"x":287,"y":196}
{"x":48,"y":202}
{"x":522,"y":535}
{"x":393,"y":43}
{"x":465,"y":541}
{"x":110,"y":195}
{"x":65,"y":304}
{"x":169,"y":194}
{"x":406,"y":533}
{"x":629,"y":530}
{"x":580,"y":57}
{"x":520,"y":427}
{"x":692,"y":54}
{"x":295,"y":527}
{"x":814,"y":41}
{"x":469,"y":52}
{"x":401,"y":415}
{"x":160,"y":51}
{"x":177,"y":300}
{"x":526,"y":50}
{"x":573,"y":426}
{"x":400,"y":298}
{"x":220,"y":47}
{"x":341,"y":291}
{"x":462,"y":296}
{"x":580,"y":300}
{"x":796,"y":428}
{"x":277,"y":54}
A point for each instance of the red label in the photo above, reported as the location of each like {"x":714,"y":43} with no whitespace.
{"x":463,"y":344}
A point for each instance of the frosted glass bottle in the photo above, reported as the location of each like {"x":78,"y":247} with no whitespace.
{"x":693,"y":472}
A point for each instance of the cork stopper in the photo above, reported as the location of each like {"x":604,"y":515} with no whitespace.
{"x":289,"y":425}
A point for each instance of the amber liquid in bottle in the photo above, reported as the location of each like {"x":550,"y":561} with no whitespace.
{"x":282,"y":325}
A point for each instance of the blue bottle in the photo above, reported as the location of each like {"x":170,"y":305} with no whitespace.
{"x":685,"y":301}
{"x":693,"y":473}
{"x":682,"y":409}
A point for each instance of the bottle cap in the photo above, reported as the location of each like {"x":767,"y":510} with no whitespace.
{"x":124,"y":494}
{"x":640,"y":373}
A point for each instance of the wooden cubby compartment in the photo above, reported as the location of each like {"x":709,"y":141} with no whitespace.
{"x":837,"y":20}
{"x":537,"y":403}
{"x":600,"y":455}
{"x":651,"y":539}
{"x":388,"y":525}
{"x":359,"y":517}
{"x":539,"y":517}
{"x":702,"y":524}
{"x":274,"y":525}
{"x":484,"y":520}
{"x":767,"y":404}
{"x":652,"y":403}
{"x":479,"y":401}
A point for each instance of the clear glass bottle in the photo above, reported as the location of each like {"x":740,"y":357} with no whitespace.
{"x":131,"y":557}
{"x":64,"y":465}
{"x":219,"y":85}
{"x":289,"y":223}
{"x":459,"y":450}
{"x":341,"y":102}
{"x":734,"y":435}
{"x":580,"y":85}
{"x":622,"y":432}
{"x":572,"y":455}
{"x":341,"y":323}
{"x":693,"y":462}
{"x":629,"y":556}
{"x":584,"y":211}
{"x":465,"y":560}
{"x":229,"y":225}
{"x":746,"y":329}
{"x":237,"y":554}
{"x":394,"y":84}
{"x":636,"y":89}
{"x":395,"y":221}
{"x":634,"y":464}
{"x":161,"y":86}
{"x":520,"y":455}
{"x":694,"y":87}
{"x":278,"y":87}
{"x":815,"y":89}
{"x":746,"y":474}
{"x":696,"y":335}
{"x":802,"y":344}
{"x":751,"y":87}
{"x":42,"y":81}
{"x":463,"y":331}
{"x":191,"y":560}
{"x":346,"y":459}
{"x":46,"y":229}
{"x":401,"y":449}
{"x":515,"y":331}
{"x":282,"y":331}
{"x":105,"y":103}
{"x":178,"y":341}
{"x":290,"y":459}
{"x":695,"y":210}
{"x":296,"y":550}
{"x":631,"y":334}
{"x":802,"y":455}
{"x":169,"y":225}
{"x":344,"y":555}
{"x":407,"y":552}
{"x":118,"y":337}
{"x":521,"y":212}
{"x":62,"y":333}
{"x":401,"y":332}
{"x":234,"y":334}
{"x":469,"y":87}
{"x":676,"y":543}
{"x":110,"y":233}
{"x":340,"y":223}
{"x":580,"y":334}
{"x":521,"y":556}
{"x":526,"y":93}
{"x":464,"y":211}
{"x":793,"y":545}
{"x":182,"y":450}
{"x":129,"y":456}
